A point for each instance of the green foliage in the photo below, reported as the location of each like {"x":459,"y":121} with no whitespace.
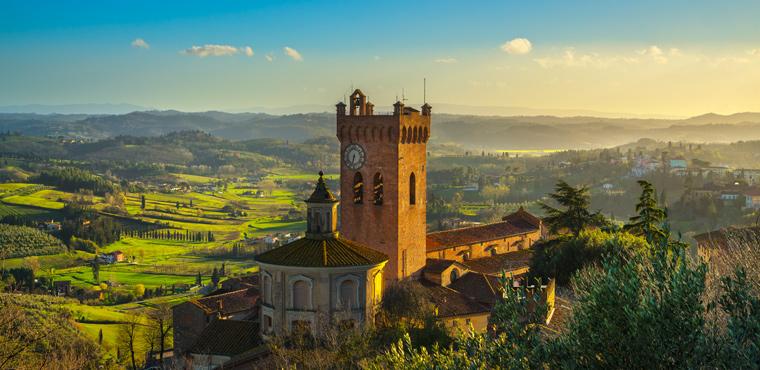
{"x":22,"y":241}
{"x":83,"y":245}
{"x":576,"y":215}
{"x":650,"y":218}
{"x":515,"y":342}
{"x":73,"y":179}
{"x":740,"y":346}
{"x":561,"y":257}
{"x":36,"y":332}
{"x":642,"y":311}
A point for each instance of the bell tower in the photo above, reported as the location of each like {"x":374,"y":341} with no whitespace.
{"x":383,"y":180}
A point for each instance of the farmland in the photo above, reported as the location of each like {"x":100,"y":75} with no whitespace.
{"x":21,"y":241}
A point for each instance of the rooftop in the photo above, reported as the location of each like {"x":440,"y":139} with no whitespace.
{"x":479,"y":287}
{"x":450,"y":302}
{"x":321,"y":193}
{"x":226,"y":338}
{"x":435,"y":265}
{"x":331,"y":252}
{"x":506,"y":262}
{"x":232,"y":302}
{"x":477,"y":234}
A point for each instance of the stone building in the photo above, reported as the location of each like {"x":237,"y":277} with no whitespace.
{"x":320,"y":279}
{"x":383,"y":181}
{"x":329,"y":277}
{"x":516,"y":232}
{"x":190,"y":318}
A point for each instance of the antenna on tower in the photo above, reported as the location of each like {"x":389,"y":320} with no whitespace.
{"x":424,"y":90}
{"x":403,"y":95}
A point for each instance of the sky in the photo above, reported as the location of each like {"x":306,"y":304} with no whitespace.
{"x":652,"y":58}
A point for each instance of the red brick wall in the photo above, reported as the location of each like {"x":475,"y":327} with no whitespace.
{"x":395,"y":225}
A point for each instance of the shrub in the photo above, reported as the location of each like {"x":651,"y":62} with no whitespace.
{"x":84,"y":245}
{"x":561,"y":257}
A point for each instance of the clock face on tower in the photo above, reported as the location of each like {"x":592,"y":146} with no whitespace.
{"x":354,"y":156}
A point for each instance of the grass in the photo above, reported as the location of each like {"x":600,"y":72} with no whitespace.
{"x":194,"y":179}
{"x":47,"y":198}
{"x":28,"y":212}
{"x":7,"y":187}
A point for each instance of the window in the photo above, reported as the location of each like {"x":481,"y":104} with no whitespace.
{"x":494,"y":251}
{"x":403,"y":135}
{"x":301,"y":295}
{"x":403,"y":263}
{"x":358,"y":188}
{"x":267,"y":286}
{"x":454,"y":275}
{"x":267,"y":324}
{"x":348,"y":294}
{"x":466,"y":256}
{"x":412,"y":189}
{"x":377,"y":189}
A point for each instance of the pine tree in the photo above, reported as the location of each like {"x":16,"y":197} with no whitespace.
{"x":142,"y":202}
{"x":198,"y":279}
{"x":649,"y":221}
{"x":100,"y":336}
{"x":576,"y":215}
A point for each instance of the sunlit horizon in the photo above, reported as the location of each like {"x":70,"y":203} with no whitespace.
{"x":642,"y":59}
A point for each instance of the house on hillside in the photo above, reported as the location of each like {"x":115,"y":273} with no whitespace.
{"x":752,"y":198}
{"x":750,"y":176}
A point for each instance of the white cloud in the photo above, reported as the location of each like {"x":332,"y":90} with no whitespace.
{"x":248,"y":51}
{"x":293,"y":53}
{"x":140,"y":44}
{"x":570,"y":58}
{"x":447,"y":60}
{"x":269,"y":57}
{"x":376,"y":57}
{"x":211,"y":50}
{"x":657,"y":54}
{"x":517,"y":46}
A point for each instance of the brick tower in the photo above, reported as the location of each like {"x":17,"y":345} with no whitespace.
{"x":382,"y":172}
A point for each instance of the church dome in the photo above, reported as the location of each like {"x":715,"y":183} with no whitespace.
{"x":332,"y":252}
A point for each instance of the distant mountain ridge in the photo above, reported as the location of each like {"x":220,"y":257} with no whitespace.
{"x":473,"y":132}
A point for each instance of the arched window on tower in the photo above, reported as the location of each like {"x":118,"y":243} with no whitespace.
{"x":358,"y":188}
{"x":377,"y":189}
{"x":412,"y":189}
{"x":403,"y":135}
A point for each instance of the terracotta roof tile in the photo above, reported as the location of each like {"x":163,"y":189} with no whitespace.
{"x":226,"y":338}
{"x":481,"y":288}
{"x":520,"y":222}
{"x":450,"y":302}
{"x":332,"y":252}
{"x":506,"y":262}
{"x":435,"y":265}
{"x":232,"y":302}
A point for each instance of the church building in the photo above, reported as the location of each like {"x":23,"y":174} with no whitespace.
{"x":339,"y":275}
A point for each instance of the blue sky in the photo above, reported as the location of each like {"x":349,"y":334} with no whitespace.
{"x":643,"y":57}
